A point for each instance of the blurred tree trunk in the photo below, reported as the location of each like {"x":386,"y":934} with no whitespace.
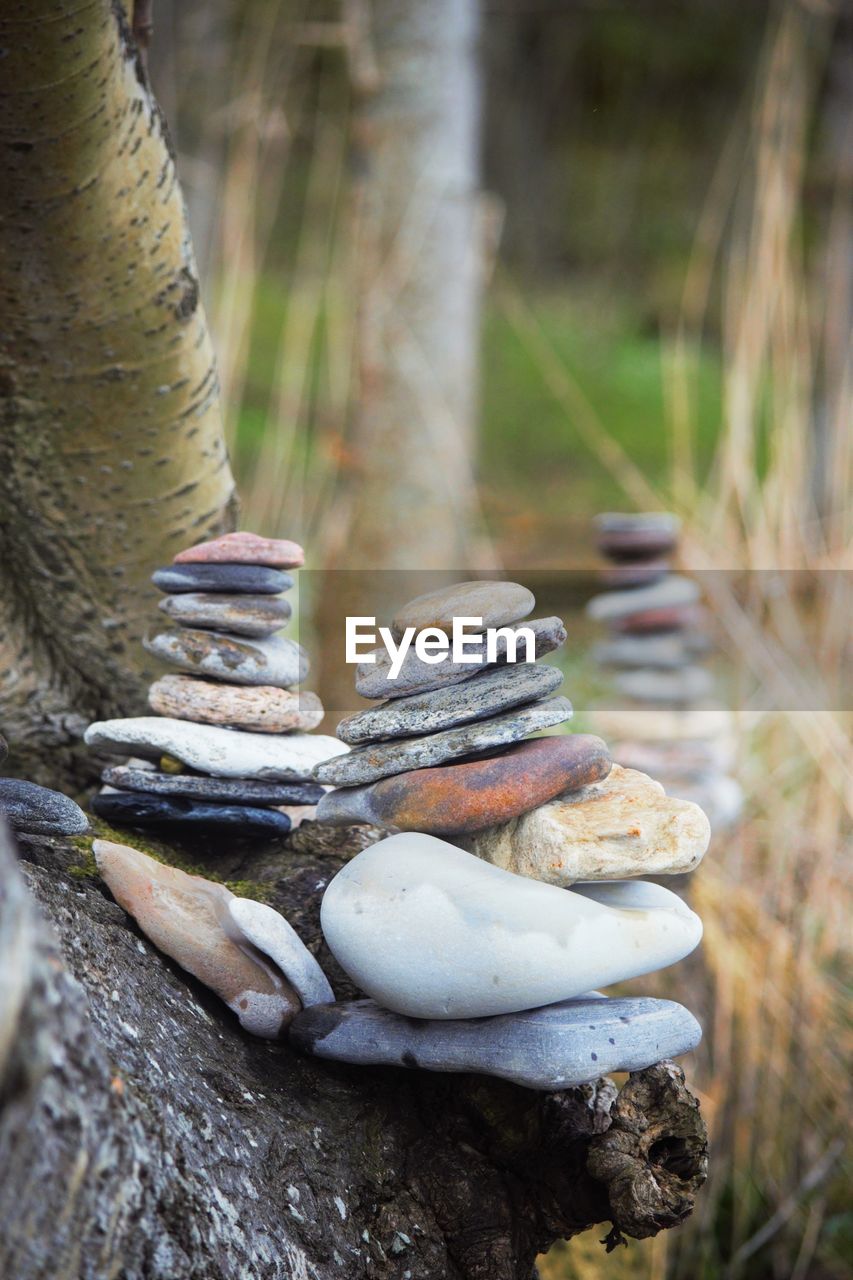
{"x":112,"y":454}
{"x":410,"y":502}
{"x":416,"y":136}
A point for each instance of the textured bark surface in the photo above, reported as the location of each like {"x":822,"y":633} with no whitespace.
{"x":142,"y":1134}
{"x":112,"y":455}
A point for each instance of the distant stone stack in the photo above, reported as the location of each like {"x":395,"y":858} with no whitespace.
{"x":667,"y":725}
{"x":481,"y":951}
{"x":228,"y":747}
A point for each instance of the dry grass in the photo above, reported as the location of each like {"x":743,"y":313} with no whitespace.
{"x":774,"y":896}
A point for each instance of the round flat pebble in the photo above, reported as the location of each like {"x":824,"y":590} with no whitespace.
{"x":249,"y":579}
{"x":37,"y":810}
{"x":382,"y":759}
{"x":256,"y":708}
{"x":278,"y":661}
{"x":670,"y":592}
{"x":636,"y":536}
{"x":689,"y":684}
{"x":245,"y":548}
{"x":458,"y":798}
{"x":373,"y":678}
{"x":136,"y":809}
{"x":248,"y":791}
{"x":634,"y":575}
{"x":491,"y":691}
{"x":239,"y":614}
{"x":497,"y":603}
{"x":555,"y":1047}
{"x":673,"y":618}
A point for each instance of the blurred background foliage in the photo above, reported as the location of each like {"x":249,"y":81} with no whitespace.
{"x":662,"y":237}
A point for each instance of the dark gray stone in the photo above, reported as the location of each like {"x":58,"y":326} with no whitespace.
{"x":198,"y":787}
{"x":382,"y":759}
{"x":249,"y":578}
{"x":243,"y":615}
{"x":372,"y":679}
{"x":134,"y":809}
{"x":39,"y":811}
{"x":555,"y":1047}
{"x":491,"y":691}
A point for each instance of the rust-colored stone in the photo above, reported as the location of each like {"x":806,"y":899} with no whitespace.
{"x":461,"y":798}
{"x":672,"y":618}
{"x":245,"y":548}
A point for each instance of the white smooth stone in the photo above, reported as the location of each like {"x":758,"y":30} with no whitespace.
{"x":432,"y":932}
{"x":224,"y":753}
{"x":266,"y":929}
{"x":690,"y":684}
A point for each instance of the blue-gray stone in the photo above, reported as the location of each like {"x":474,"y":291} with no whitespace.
{"x":554,"y":1047}
{"x":135,"y":809}
{"x":243,"y":578}
{"x":200,"y":787}
{"x":39,"y":811}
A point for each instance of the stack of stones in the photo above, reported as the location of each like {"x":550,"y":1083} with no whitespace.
{"x":481,"y":951}
{"x":228,"y":747}
{"x":658,"y":628}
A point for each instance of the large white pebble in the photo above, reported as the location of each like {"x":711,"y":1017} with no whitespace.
{"x":429,"y":931}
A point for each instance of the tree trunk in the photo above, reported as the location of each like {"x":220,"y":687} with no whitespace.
{"x":112,"y":455}
{"x":142,"y":1134}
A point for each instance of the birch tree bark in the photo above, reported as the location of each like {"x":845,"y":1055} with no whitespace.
{"x":112,"y":454}
{"x":419,"y":290}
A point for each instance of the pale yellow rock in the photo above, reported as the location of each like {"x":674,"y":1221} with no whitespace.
{"x":626,"y":825}
{"x":257,"y":708}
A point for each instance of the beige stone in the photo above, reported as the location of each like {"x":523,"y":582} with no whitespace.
{"x":258,"y":708}
{"x":625,"y":825}
{"x":187,"y":917}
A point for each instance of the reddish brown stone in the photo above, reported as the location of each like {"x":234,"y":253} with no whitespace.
{"x":673,"y":618}
{"x":245,"y":548}
{"x":634,"y":574}
{"x":453,"y":799}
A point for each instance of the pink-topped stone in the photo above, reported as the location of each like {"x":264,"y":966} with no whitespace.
{"x":245,"y":548}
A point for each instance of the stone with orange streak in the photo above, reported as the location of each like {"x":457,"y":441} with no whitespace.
{"x":469,"y":796}
{"x":188,"y":918}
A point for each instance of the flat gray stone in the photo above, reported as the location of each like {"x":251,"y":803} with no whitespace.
{"x":278,"y":661}
{"x":240,"y":615}
{"x":372,"y":678}
{"x":250,"y":578}
{"x":382,"y":759}
{"x":265,"y":928}
{"x":664,"y":651}
{"x":555,"y":1047}
{"x":497,"y":603}
{"x":491,"y":691}
{"x":198,"y":787}
{"x":689,"y":684}
{"x":225,"y":753}
{"x":670,"y":592}
{"x":40,"y":811}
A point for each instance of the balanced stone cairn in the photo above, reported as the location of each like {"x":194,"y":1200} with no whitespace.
{"x":228,"y":747}
{"x":658,"y":638}
{"x":481,"y":952}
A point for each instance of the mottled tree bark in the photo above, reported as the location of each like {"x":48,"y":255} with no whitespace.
{"x":142,"y":1134}
{"x":112,"y":454}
